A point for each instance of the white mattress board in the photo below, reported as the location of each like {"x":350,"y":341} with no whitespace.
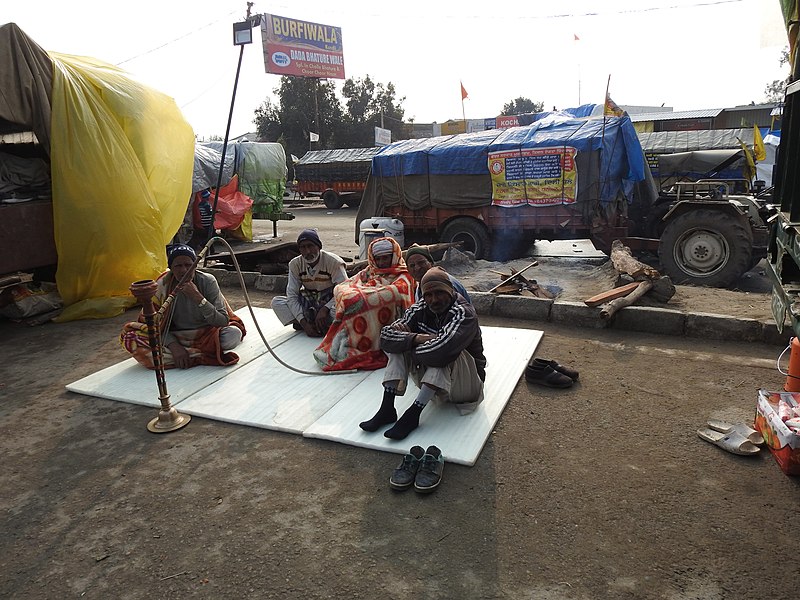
{"x":460,"y":438}
{"x":128,"y":381}
{"x":266,"y":394}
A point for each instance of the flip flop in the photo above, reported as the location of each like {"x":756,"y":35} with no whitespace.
{"x":745,"y":431}
{"x":734,"y":442}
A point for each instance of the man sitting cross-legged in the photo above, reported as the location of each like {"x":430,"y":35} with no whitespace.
{"x":438,"y":340}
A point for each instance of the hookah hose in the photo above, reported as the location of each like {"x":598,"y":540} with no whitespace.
{"x":190,"y":274}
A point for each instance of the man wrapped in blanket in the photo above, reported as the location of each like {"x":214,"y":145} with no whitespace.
{"x":198,"y":328}
{"x":365,"y":303}
{"x":308,"y":303}
{"x":438,"y":340}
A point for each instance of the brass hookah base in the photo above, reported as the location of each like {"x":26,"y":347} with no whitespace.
{"x":168,"y":419}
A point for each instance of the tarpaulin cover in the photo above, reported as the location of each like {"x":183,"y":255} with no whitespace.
{"x":339,"y":155}
{"x":453,"y":172}
{"x":262,"y":171}
{"x":206,"y":167}
{"x":121,"y":165}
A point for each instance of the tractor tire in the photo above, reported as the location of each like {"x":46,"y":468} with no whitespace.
{"x":472,"y":234}
{"x":332,"y":199}
{"x":706,"y":247}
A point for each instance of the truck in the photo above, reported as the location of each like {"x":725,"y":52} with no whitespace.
{"x":565,"y":177}
{"x":337,"y":176}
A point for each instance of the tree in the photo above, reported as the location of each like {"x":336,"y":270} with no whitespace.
{"x":371,"y":105}
{"x":306,"y":105}
{"x":294,"y":116}
{"x":775,"y":91}
{"x":521,"y":106}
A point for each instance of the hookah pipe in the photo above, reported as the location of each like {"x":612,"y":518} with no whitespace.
{"x":169,"y":419}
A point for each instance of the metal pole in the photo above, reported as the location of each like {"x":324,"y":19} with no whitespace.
{"x":212,"y":230}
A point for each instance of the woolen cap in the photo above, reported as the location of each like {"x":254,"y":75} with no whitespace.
{"x":177,"y":250}
{"x":437,"y":279}
{"x":419,"y":250}
{"x":310,"y":235}
{"x":382,"y":247}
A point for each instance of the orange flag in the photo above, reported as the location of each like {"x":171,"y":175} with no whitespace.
{"x":463,"y":92}
{"x":611,"y":109}
{"x":577,"y":39}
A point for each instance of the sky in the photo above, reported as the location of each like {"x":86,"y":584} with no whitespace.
{"x":684,"y":54}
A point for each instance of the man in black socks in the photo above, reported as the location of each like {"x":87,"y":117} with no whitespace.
{"x":438,"y":340}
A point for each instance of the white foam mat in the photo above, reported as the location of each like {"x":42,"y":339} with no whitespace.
{"x":128,"y":381}
{"x":266,"y":394}
{"x":460,"y":438}
{"x":260,"y":392}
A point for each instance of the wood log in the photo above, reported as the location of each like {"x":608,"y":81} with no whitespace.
{"x":612,"y":307}
{"x":612,"y":294}
{"x":624,"y":262}
{"x":515,"y":275}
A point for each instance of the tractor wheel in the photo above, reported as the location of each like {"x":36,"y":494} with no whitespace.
{"x":706,"y":247}
{"x":471,"y":233}
{"x":332,"y":199}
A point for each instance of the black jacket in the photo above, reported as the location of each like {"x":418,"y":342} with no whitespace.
{"x":456,"y":330}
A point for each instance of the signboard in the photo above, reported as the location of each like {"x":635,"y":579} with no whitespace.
{"x":454,"y":127}
{"x":293,"y":47}
{"x":507,"y":121}
{"x":383,"y":137}
{"x":534,"y":176}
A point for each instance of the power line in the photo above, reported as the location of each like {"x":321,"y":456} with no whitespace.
{"x":177,"y":39}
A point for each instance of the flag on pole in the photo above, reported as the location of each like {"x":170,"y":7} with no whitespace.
{"x":577,"y":39}
{"x":611,"y":109}
{"x":759,"y":151}
{"x":464,"y":94}
{"x":314,"y":137}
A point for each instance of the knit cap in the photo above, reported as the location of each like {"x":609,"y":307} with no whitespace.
{"x":310,"y":235}
{"x":437,"y":279}
{"x":382,"y":247}
{"x":419,"y":250}
{"x":177,"y":250}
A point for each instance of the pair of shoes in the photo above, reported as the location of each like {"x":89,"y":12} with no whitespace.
{"x":752,"y":436}
{"x":422,"y":468}
{"x":549,"y":373}
{"x":734,"y":442}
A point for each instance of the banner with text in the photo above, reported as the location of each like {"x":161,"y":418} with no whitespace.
{"x":293,"y":47}
{"x":534,"y":176}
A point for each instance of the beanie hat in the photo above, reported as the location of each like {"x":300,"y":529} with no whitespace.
{"x":382,"y":247}
{"x":310,"y":235}
{"x":437,"y":279}
{"x":422,"y":250}
{"x":177,"y":250}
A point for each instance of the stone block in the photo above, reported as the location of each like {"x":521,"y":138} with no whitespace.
{"x":483,"y":302}
{"x":650,"y":319}
{"x":723,"y":327}
{"x":577,"y":314}
{"x":272,"y":283}
{"x":522,"y":307}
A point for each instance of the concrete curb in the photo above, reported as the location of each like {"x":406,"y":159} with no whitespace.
{"x":644,"y":319}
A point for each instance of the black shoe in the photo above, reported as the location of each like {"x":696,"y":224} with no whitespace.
{"x":540,"y":371}
{"x":403,"y":476}
{"x":296,"y":326}
{"x":563,"y":369}
{"x":430,"y":470}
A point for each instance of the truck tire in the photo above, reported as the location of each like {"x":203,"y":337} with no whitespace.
{"x":706,"y":247}
{"x":332,"y":199}
{"x":471,"y":233}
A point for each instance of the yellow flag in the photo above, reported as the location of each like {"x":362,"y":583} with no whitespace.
{"x":759,"y":151}
{"x":611,"y":109}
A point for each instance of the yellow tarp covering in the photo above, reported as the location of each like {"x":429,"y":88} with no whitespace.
{"x":122,"y":157}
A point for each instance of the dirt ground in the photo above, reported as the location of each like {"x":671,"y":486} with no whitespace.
{"x":602,"y":490}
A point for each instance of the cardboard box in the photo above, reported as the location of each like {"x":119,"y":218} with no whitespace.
{"x":782,"y":442}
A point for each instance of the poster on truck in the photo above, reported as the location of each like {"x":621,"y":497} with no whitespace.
{"x":534,"y":176}
{"x":302,"y":48}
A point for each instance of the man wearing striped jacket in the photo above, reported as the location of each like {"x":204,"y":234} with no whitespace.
{"x":437,"y":341}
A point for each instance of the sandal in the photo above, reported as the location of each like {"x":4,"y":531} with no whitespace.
{"x":753,"y":436}
{"x":734,"y":442}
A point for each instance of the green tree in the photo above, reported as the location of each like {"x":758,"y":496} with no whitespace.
{"x":294,"y":115}
{"x":306,"y":105}
{"x":521,"y":106}
{"x":775,"y":91}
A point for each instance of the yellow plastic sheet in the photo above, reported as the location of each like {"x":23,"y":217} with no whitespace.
{"x":122,"y":157}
